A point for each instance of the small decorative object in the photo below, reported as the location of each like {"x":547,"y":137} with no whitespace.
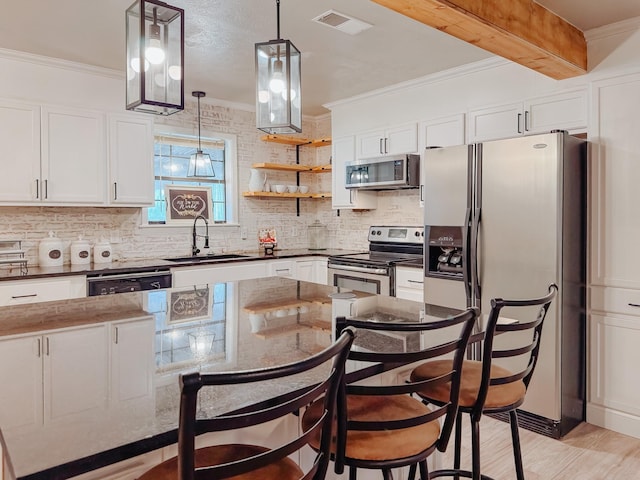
{"x":190,"y":304}
{"x":155,"y":57}
{"x":184,"y":204}
{"x":257,"y":180}
{"x":317,"y":236}
{"x":80,"y":252}
{"x":303,"y":188}
{"x":280,"y":188}
{"x":278,"y":106}
{"x":267,"y":240}
{"x":102,"y":251}
{"x":50,"y":251}
{"x":292,"y":188}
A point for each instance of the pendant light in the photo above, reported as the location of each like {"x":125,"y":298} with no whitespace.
{"x":155,"y":57}
{"x":278,"y":73}
{"x":200,"y":163}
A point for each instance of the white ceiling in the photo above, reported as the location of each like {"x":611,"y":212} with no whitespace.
{"x":220,"y":35}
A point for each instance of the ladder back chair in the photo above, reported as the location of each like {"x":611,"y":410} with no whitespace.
{"x":383,"y":427}
{"x":243,"y":461}
{"x":487,"y":387}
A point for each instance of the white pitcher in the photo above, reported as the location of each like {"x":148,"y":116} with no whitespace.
{"x":257,"y":180}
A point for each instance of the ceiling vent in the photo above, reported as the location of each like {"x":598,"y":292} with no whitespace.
{"x":342,"y":22}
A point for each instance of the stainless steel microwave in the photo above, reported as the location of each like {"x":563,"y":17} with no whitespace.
{"x":384,"y":173}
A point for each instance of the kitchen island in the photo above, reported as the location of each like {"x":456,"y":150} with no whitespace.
{"x":94,"y":381}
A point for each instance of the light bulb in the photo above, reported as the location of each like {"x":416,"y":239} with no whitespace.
{"x":276,"y":84}
{"x":293,"y":94}
{"x":135,"y":64}
{"x":263,"y":96}
{"x":175,"y":72}
{"x":154,"y":52}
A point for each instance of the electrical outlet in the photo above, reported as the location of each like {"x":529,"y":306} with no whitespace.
{"x":243,"y":233}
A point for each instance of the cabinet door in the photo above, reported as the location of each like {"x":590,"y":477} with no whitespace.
{"x":440,"y":132}
{"x":615,"y":161}
{"x":20,"y":161}
{"x":75,"y":372}
{"x":341,"y":197}
{"x":410,"y":283}
{"x":565,"y":111}
{"x":21,"y":380}
{"x":504,"y":121}
{"x":132,"y":361}
{"x":371,"y":144}
{"x":73,"y":156}
{"x":130,"y":160}
{"x":401,"y":139}
{"x":304,"y":270}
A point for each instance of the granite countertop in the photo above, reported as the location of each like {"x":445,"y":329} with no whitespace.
{"x":246,"y":324}
{"x":153,"y":264}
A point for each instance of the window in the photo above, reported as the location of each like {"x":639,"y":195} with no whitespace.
{"x":172,"y":152}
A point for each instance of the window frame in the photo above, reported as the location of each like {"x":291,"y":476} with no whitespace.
{"x":230,"y":172}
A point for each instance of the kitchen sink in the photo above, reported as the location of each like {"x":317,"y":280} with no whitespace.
{"x":207,"y":258}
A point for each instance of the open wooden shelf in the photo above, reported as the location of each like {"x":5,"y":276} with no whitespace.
{"x":265,"y":307}
{"x":291,"y":140}
{"x":286,"y":195}
{"x":292,"y":168}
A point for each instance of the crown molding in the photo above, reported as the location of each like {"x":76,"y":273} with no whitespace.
{"x":460,"y":71}
{"x":617,"y":28}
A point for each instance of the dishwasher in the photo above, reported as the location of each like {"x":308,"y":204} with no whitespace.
{"x":112,"y":283}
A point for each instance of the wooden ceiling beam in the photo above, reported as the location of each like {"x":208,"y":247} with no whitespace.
{"x":519,"y":30}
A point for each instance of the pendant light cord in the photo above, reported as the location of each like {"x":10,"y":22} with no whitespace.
{"x":199,"y":146}
{"x":278,"y":16}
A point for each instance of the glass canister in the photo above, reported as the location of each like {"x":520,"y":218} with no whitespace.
{"x":317,"y":236}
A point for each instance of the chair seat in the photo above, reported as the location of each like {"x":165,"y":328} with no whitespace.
{"x":381,"y":445}
{"x":283,"y":470}
{"x":498,"y":396}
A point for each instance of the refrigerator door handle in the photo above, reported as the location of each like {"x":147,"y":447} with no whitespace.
{"x":466,"y":271}
{"x":475,"y":234}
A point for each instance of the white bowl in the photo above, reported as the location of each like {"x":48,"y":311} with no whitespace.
{"x":303,"y":188}
{"x":279,"y":188}
{"x":292,"y":188}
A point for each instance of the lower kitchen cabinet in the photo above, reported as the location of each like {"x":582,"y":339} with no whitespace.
{"x":281,"y":268}
{"x":311,"y":270}
{"x":614,"y":336}
{"x":42,"y":290}
{"x":49,"y":393}
{"x":207,"y":274}
{"x":410,"y":283}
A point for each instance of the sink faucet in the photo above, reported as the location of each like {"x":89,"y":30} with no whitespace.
{"x":194,"y":247}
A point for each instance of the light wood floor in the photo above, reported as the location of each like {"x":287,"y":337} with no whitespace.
{"x":586,"y":453}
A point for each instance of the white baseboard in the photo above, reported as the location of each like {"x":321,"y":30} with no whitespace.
{"x":615,"y":420}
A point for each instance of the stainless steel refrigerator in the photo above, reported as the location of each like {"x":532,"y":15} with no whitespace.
{"x":507,"y":218}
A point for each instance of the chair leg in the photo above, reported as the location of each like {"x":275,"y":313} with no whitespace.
{"x":458,"y":444}
{"x":515,"y":438}
{"x":386,"y":474}
{"x":353,"y":473}
{"x":412,"y":472}
{"x":475,"y":448}
{"x":424,"y":470}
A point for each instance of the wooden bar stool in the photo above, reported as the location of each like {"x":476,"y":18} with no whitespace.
{"x":245,"y":462}
{"x":382,"y":426}
{"x":486,"y":387}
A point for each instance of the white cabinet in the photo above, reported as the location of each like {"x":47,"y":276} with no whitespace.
{"x":42,"y":290}
{"x":61,"y":374}
{"x":563,"y":111}
{"x":615,"y":161}
{"x":281,"y":268}
{"x":132,"y":361}
{"x":207,"y":274}
{"x":311,"y":270}
{"x":389,"y":141}
{"x":343,"y":151}
{"x":410,"y":283}
{"x":130,"y":160}
{"x":20,"y":161}
{"x":73,"y":156}
{"x":439,"y":132}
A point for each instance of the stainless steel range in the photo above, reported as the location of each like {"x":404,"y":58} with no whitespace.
{"x":374,"y":271}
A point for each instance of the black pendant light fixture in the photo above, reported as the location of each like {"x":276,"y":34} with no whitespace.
{"x":200,"y":163}
{"x":278,"y":95}
{"x":155,"y":57}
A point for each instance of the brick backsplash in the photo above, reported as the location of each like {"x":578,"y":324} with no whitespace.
{"x":131,"y":241}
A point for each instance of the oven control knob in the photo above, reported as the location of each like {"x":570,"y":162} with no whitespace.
{"x":378,"y":232}
{"x":417,"y":234}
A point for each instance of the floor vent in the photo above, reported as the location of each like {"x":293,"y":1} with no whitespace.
{"x":342,"y":22}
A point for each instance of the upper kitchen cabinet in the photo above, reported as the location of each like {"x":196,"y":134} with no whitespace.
{"x":73,"y":156}
{"x":439,"y":132}
{"x":342,"y":197}
{"x":388,"y":141}
{"x":130,"y":160}
{"x":563,"y":111}
{"x":20,"y":139}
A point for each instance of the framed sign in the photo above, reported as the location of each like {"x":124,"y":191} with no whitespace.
{"x":189,"y":304}
{"x":184,"y":204}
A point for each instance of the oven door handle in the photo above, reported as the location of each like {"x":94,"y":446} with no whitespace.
{"x":351,"y":268}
